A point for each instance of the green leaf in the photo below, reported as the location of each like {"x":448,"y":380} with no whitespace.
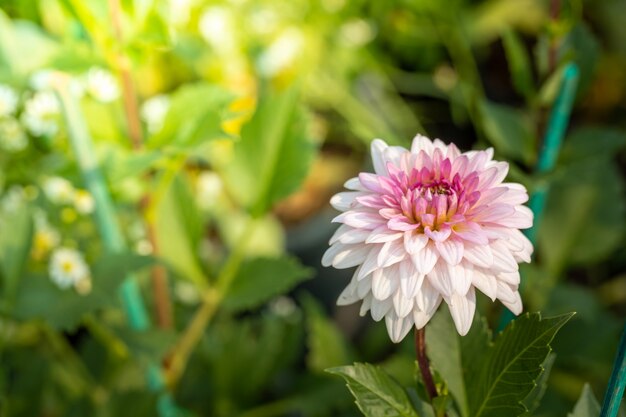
{"x":15,"y":244}
{"x":376,"y":393}
{"x":585,"y":215}
{"x":196,"y":114}
{"x":327,"y":345}
{"x":587,"y":405}
{"x":582,"y":47}
{"x":532,"y":400}
{"x":260,"y":279}
{"x":512,"y":365}
{"x":274,"y":154}
{"x":509,"y":130}
{"x":519,"y":63}
{"x":177,"y":227}
{"x":592,"y":142}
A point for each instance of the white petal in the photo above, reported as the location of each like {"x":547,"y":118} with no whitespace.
{"x":383,"y":234}
{"x":462,"y":308}
{"x":331,"y":252}
{"x":428,"y":298}
{"x":349,"y":294}
{"x":410,"y":279}
{"x":360,"y":219}
{"x":364,"y":286}
{"x":440,"y":279}
{"x":397,"y":327}
{"x":365,"y":307}
{"x":421,"y":318}
{"x":486,"y":283}
{"x":515,"y":306}
{"x":511,"y":278}
{"x":522,"y":218}
{"x":378,"y":147}
{"x":425,"y":259}
{"x":349,"y":235}
{"x":380,"y":308}
{"x":422,"y":143}
{"x":391,"y":253}
{"x":479,"y":255}
{"x":503,"y":260}
{"x":353,"y":255}
{"x":354,"y":184}
{"x":370,"y":263}
{"x":451,"y":251}
{"x":345,"y":200}
{"x":505,"y":293}
{"x":414,"y":242}
{"x":384,"y":282}
{"x":402,"y":305}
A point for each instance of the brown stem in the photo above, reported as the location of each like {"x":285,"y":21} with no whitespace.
{"x":422,"y":360}
{"x":160,"y":293}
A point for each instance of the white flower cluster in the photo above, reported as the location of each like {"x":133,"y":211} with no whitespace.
{"x":61,"y":192}
{"x":12,"y":136}
{"x":153,"y":112}
{"x":68,"y":268}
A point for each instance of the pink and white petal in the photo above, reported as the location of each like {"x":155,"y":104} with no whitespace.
{"x":506,"y":293}
{"x":402,"y":224}
{"x":514,"y":196}
{"x":450,"y":250}
{"x":380,"y":308}
{"x":349,"y":235}
{"x":354,"y":184}
{"x":479,"y":255}
{"x":515,"y":306}
{"x":486,"y":283}
{"x":503,"y":260}
{"x":391,"y":253}
{"x":402,"y":305}
{"x":398,"y":327}
{"x":438,"y":235}
{"x":378,"y":147}
{"x":426,"y":258}
{"x":462,"y":309}
{"x":349,"y":294}
{"x":414,"y":241}
{"x":471,"y":232}
{"x":521,"y":218}
{"x":494,"y":213}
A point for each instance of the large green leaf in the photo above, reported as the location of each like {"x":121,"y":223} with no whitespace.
{"x":15,"y":243}
{"x":376,"y":393}
{"x":587,"y":405}
{"x":274,"y":153}
{"x":196,"y":114}
{"x":532,"y":400}
{"x":509,"y":130}
{"x":327,"y":345}
{"x":260,"y":279}
{"x":512,"y":365}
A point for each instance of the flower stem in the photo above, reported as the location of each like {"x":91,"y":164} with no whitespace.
{"x":422,"y":360}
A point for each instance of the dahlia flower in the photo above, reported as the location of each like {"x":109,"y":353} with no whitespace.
{"x":431,"y":224}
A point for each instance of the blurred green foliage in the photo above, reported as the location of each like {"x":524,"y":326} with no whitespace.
{"x":222,"y":128}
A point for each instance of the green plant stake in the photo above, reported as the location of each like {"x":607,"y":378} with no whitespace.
{"x":557,"y":125}
{"x":617,"y":383}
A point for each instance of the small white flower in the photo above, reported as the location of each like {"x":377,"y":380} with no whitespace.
{"x":8,"y":100}
{"x":282,"y":53}
{"x":282,"y":306}
{"x":186,"y":293}
{"x":217,"y":28}
{"x":41,"y":113}
{"x":45,"y":238}
{"x":143,"y":247}
{"x":101,"y":85}
{"x":58,"y":190}
{"x":68,"y":268}
{"x":83,"y":202}
{"x":154,"y":110}
{"x":12,"y":136}
{"x":209,"y":186}
{"x":41,"y":80}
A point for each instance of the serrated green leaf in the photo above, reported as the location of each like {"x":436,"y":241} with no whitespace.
{"x":519,"y":63}
{"x":587,"y":405}
{"x":376,"y":393}
{"x":512,"y":365}
{"x":274,"y":153}
{"x":509,"y":130}
{"x":327,"y":346}
{"x":260,"y":279}
{"x":195,"y":115}
{"x":532,"y":400}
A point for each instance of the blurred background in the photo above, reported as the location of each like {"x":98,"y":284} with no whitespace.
{"x":182,"y":101}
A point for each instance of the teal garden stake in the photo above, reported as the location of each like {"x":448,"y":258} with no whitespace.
{"x":617,"y":383}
